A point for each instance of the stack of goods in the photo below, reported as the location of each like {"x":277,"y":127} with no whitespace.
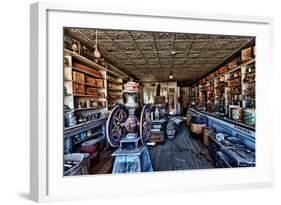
{"x":78,"y":88}
{"x":78,"y":77}
{"x":87,"y":69}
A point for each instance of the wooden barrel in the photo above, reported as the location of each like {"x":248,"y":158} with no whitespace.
{"x":207,"y":132}
{"x":198,"y":123}
{"x":171,"y":130}
{"x":197,"y":128}
{"x":90,"y":146}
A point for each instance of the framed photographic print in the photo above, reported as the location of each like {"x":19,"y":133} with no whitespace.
{"x":94,"y":126}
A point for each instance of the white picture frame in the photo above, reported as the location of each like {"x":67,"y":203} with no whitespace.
{"x":46,"y":155}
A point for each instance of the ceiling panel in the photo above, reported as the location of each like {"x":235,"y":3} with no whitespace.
{"x":150,"y":56}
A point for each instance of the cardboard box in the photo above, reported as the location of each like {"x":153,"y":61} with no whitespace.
{"x":246,"y":54}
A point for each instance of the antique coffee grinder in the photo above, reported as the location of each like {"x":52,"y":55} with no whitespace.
{"x":125,"y":131}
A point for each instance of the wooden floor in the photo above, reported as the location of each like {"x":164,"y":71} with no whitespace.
{"x":181,"y":153}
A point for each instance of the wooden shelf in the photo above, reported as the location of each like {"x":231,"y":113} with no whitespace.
{"x":87,"y":84}
{"x":114,"y":82}
{"x":114,"y":90}
{"x":85,"y":60}
{"x":250,"y":81}
{"x":84,"y":95}
{"x":87,"y":138}
{"x":234,"y":78}
{"x":87,"y":73}
{"x":89,"y":108}
{"x":236,"y":68}
{"x":85,"y":123}
{"x":248,"y":73}
{"x":230,"y":86}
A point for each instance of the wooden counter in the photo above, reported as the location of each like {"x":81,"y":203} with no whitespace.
{"x":231,"y":127}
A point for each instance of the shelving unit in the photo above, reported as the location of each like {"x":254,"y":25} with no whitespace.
{"x":89,"y":89}
{"x":229,"y":87}
{"x":234,"y":87}
{"x":84,"y":95}
{"x":114,"y":89}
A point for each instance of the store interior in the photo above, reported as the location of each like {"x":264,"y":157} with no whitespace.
{"x":148,"y":101}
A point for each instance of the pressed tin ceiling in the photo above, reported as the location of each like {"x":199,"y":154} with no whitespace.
{"x":147,"y":56}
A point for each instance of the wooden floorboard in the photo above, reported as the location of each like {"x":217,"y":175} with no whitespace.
{"x":182,"y":153}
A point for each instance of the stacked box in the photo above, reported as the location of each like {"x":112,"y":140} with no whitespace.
{"x":78,"y":77}
{"x":90,"y":80}
{"x":91,"y":91}
{"x":246,"y":54}
{"x":78,"y":88}
{"x":232,"y":64}
{"x":87,"y":69}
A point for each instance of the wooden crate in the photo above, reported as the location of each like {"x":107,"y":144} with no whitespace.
{"x":223,"y":69}
{"x":90,"y":80}
{"x":232,"y":64}
{"x":87,"y":69}
{"x":99,"y":83}
{"x":246,"y":54}
{"x":254,"y":51}
{"x":78,"y":77}
{"x":78,"y":88}
{"x":91,"y":91}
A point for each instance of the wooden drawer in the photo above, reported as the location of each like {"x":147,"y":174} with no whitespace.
{"x":78,"y":77}
{"x":157,"y":137}
{"x":78,"y":88}
{"x":90,"y":80}
{"x":91,"y":91}
{"x":87,"y":69}
{"x":99,"y":83}
{"x":232,"y":64}
{"x":246,"y":54}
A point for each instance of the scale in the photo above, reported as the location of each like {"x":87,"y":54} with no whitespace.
{"x":128,"y":132}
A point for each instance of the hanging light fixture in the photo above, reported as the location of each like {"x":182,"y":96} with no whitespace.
{"x":96,"y":52}
{"x":171,"y":75}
